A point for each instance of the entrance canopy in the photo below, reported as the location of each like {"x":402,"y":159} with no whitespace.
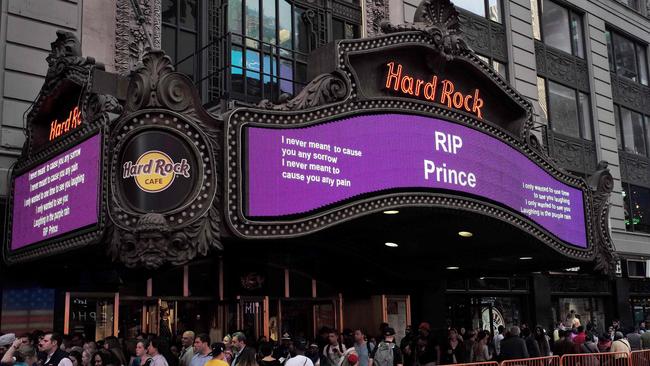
{"x":410,"y":121}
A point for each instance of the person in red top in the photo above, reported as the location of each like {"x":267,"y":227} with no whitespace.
{"x":581,"y":337}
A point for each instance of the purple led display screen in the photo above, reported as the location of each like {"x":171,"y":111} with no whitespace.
{"x":295,"y":171}
{"x":58,"y":196}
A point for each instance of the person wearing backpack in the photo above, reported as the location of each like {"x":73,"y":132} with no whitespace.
{"x":333,"y":351}
{"x":387,"y":353}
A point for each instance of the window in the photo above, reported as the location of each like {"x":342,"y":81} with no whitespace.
{"x":561,"y":27}
{"x":490,"y":9}
{"x":270,"y":43}
{"x":179,"y":34}
{"x":634,"y":4}
{"x":636,"y":268}
{"x":627,"y":58}
{"x":632,"y":131}
{"x":499,"y":67}
{"x":568,"y":110}
{"x":636,"y":201}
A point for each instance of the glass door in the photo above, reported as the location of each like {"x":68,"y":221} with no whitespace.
{"x":91,"y":314}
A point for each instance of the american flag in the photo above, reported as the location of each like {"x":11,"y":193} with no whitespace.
{"x":25,"y":310}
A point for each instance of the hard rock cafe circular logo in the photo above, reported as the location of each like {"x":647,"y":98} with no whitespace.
{"x":155,"y":171}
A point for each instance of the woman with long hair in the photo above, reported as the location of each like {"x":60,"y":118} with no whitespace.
{"x":102,"y":358}
{"x":452,"y":349}
{"x":141,"y":353}
{"x":112,"y":344}
{"x":247,"y":359}
{"x":480,"y":351}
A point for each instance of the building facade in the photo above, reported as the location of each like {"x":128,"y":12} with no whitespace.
{"x":582,"y":64}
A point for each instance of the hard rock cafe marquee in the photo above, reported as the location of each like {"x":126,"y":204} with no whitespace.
{"x":411,"y":118}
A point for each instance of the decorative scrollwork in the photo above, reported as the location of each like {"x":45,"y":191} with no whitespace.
{"x":602,"y":184}
{"x":155,"y":84}
{"x":439,"y":20}
{"x":324,"y":89}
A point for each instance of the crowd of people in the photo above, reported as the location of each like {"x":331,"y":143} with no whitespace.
{"x":421,"y":347}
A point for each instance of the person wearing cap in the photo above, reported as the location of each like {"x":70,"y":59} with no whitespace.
{"x":6,"y":341}
{"x":299,"y":359}
{"x":282,"y":351}
{"x":386,"y":353}
{"x":19,"y":354}
{"x":218,"y":355}
{"x":54,"y":356}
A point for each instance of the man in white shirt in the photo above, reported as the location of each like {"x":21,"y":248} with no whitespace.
{"x":50,"y":346}
{"x":299,"y":359}
{"x":498,"y":338}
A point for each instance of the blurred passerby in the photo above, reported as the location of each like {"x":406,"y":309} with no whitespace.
{"x":386,"y":353}
{"x":513,"y":346}
{"x":218,"y":355}
{"x":565,"y":345}
{"x":156,"y":349}
{"x":333,"y":352}
{"x":604,"y":343}
{"x":300,"y":359}
{"x":102,"y":358}
{"x":589,"y":346}
{"x":228,"y":353}
{"x":635,"y":339}
{"x":452,"y":351}
{"x":112,"y":344}
{"x":363,"y":347}
{"x":75,"y":357}
{"x":498,"y":338}
{"x":187,"y":350}
{"x":531,"y":343}
{"x":620,"y":344}
{"x":141,"y":353}
{"x":542,"y":341}
{"x":243,"y":351}
{"x":54,"y":356}
{"x":202,"y":350}
{"x":480,"y":351}
{"x":266,"y":352}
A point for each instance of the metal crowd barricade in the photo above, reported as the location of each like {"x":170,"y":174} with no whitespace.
{"x":488,"y":363}
{"x":536,"y":361}
{"x":640,"y":358}
{"x":596,"y":359}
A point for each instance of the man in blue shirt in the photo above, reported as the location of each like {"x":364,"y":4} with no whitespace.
{"x":202,"y":350}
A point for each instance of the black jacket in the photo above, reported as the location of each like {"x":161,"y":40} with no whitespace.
{"x":513,"y":348}
{"x":56,"y":358}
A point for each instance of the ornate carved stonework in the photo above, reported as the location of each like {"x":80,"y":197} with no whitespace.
{"x":438,"y":19}
{"x":324,"y":89}
{"x":602,"y":184}
{"x":135,"y":32}
{"x":376,"y":13}
{"x":630,"y":94}
{"x":561,"y":67}
{"x":573,"y":154}
{"x":483,"y":36}
{"x":635,"y":169}
{"x":160,"y":99}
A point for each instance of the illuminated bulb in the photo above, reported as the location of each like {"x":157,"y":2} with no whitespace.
{"x":391,"y":245}
{"x":453,"y":267}
{"x":465,"y":234}
{"x":525,"y":258}
{"x":391,"y":212}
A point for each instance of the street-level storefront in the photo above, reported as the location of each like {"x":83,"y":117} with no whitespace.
{"x":404,"y":183}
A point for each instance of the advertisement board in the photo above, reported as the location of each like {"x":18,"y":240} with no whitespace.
{"x":58,"y":196}
{"x":295,"y":172}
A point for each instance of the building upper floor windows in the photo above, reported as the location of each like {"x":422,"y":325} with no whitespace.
{"x":490,"y":9}
{"x":558,"y":26}
{"x":636,"y":205}
{"x":627,"y":57}
{"x":568,"y":110}
{"x":180,"y":25}
{"x":634,"y":4}
{"x":632,"y":130}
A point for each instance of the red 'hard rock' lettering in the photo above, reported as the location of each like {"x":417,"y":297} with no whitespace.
{"x":406,"y":84}
{"x":59,"y":128}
